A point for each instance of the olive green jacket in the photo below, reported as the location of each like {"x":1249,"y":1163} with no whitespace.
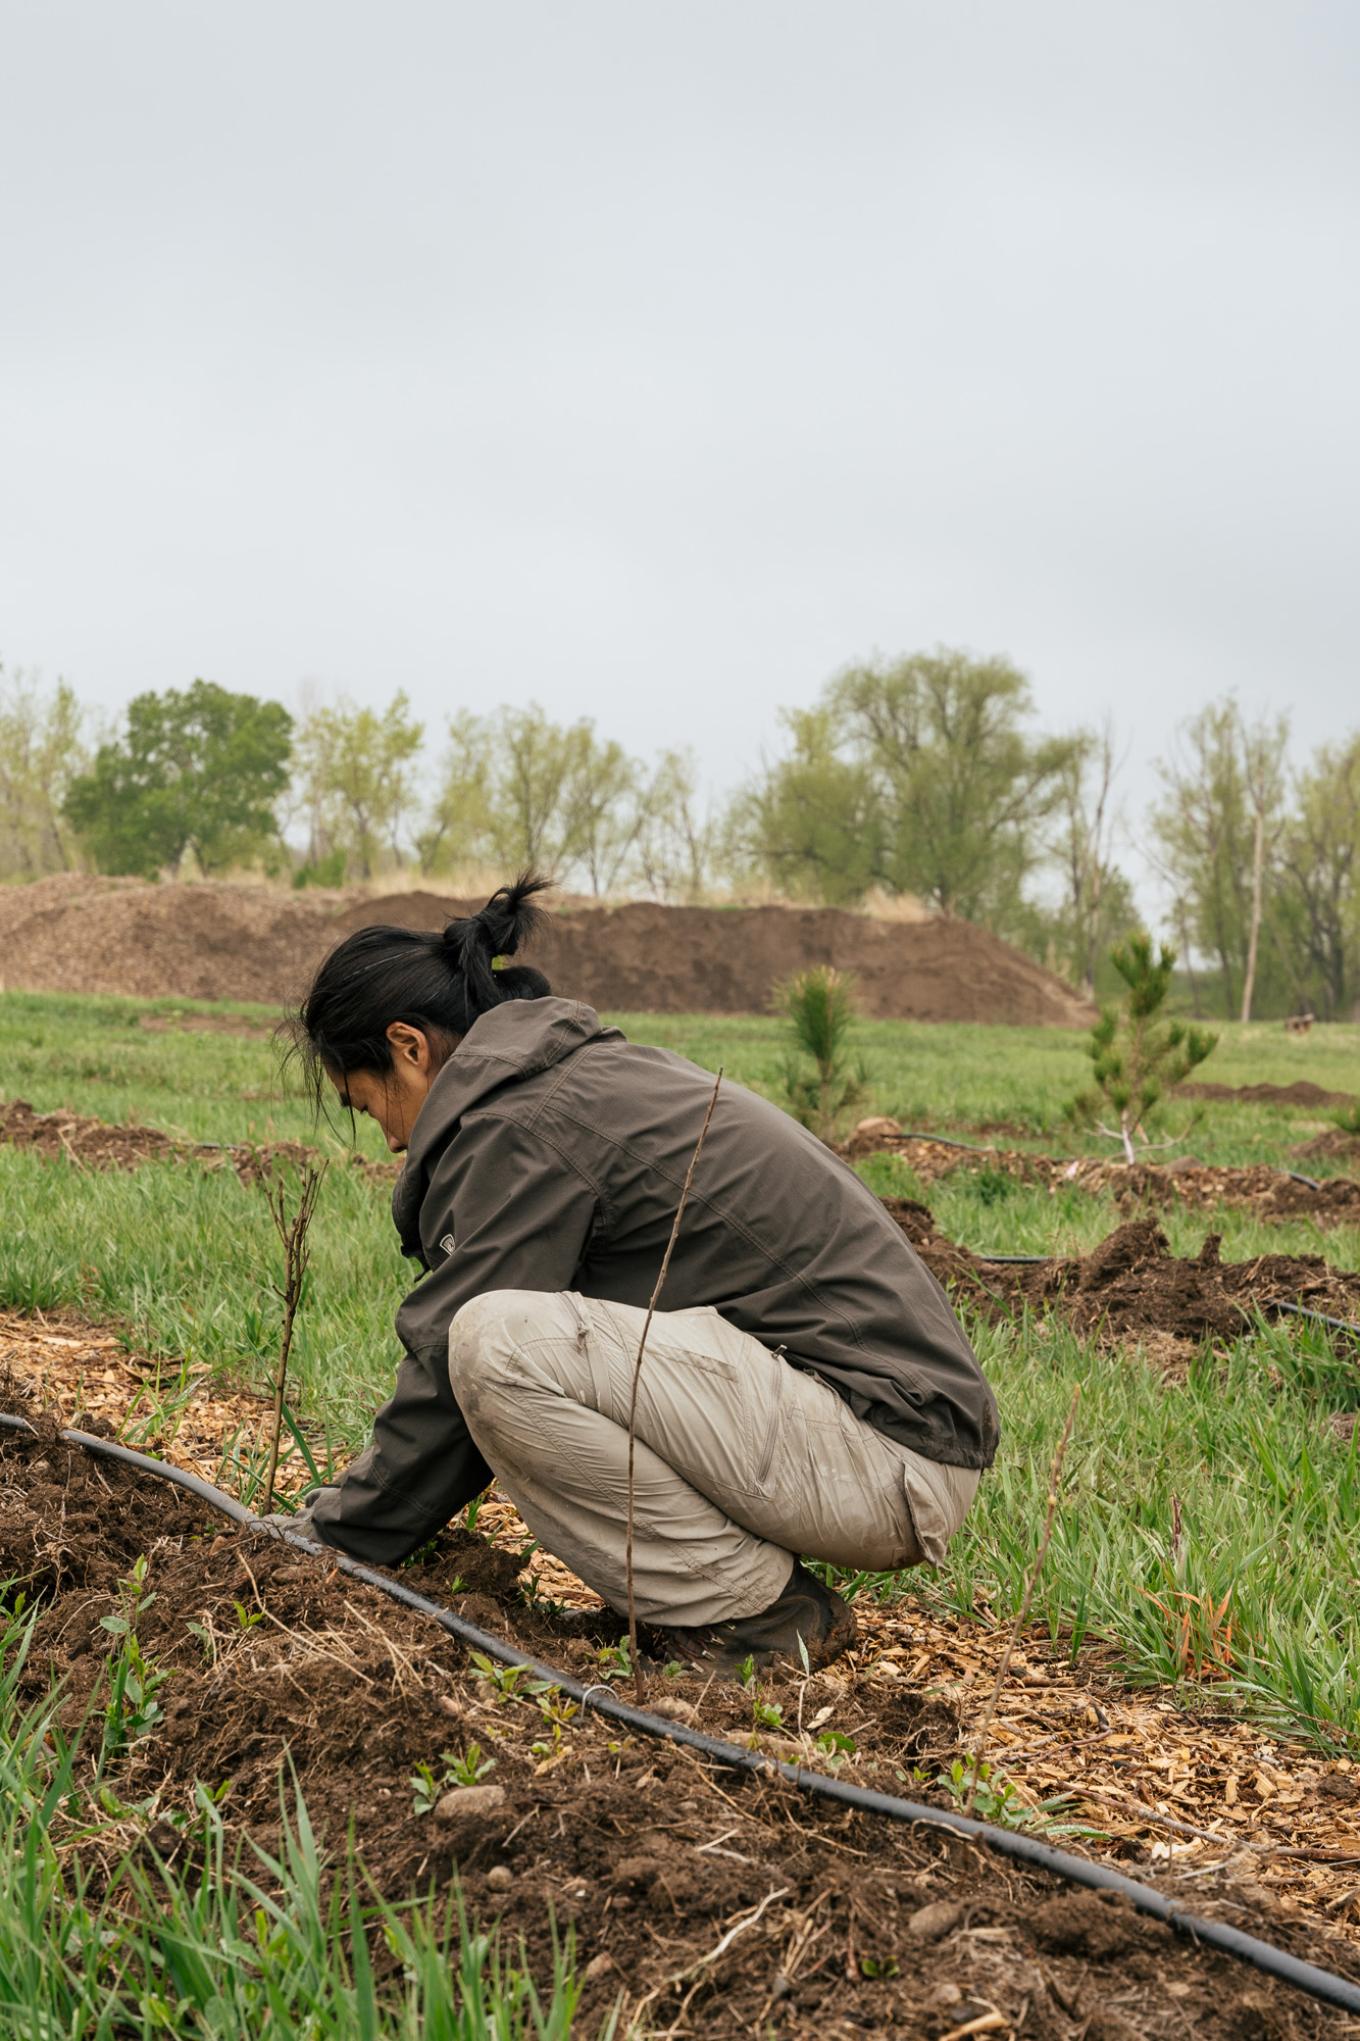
{"x":549,"y":1155}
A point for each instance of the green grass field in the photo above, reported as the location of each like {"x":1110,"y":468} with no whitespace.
{"x":1267,"y":1488}
{"x":1244,"y":1454}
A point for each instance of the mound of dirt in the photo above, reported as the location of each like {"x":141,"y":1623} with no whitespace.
{"x":219,"y":941}
{"x":699,"y":1904}
{"x":1336,"y":1145}
{"x":1132,"y":1284}
{"x":1301,"y":1093}
{"x":73,"y":933}
{"x":650,"y":959}
{"x":1256,"y":1187}
{"x":92,"y":1144}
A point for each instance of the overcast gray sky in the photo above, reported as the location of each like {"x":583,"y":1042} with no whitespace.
{"x":654,"y":361}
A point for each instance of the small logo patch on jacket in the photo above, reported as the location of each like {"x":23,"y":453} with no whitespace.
{"x":447,"y":1243}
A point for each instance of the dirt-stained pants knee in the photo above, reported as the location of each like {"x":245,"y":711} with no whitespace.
{"x":742,"y":1461}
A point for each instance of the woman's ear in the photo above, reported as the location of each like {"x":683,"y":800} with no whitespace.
{"x":410,"y":1047}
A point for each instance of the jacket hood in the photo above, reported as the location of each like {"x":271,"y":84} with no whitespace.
{"x":519,"y":1039}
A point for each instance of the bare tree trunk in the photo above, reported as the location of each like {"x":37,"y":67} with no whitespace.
{"x":1185,"y":956}
{"x":1258,"y":859}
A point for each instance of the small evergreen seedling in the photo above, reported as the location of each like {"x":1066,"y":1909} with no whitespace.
{"x":1136,"y":1053}
{"x":820,"y":1009}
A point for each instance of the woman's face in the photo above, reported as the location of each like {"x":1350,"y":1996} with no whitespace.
{"x":393,"y":1097}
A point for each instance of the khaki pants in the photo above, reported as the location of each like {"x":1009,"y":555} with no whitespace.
{"x":742,"y":1461}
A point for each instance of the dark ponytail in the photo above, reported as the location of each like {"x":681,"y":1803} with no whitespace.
{"x":438,"y":983}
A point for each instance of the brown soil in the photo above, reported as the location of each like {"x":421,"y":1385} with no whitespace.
{"x":1301,"y":1093}
{"x":74,"y":933}
{"x":1132,"y":1284}
{"x":703,"y":1905}
{"x":1267,"y":1192}
{"x":1336,"y":1145}
{"x":92,"y":1144}
{"x":220,"y":941}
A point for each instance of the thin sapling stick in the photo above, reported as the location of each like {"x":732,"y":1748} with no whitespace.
{"x":292,"y":1226}
{"x":1022,"y":1613}
{"x":634,"y":1660}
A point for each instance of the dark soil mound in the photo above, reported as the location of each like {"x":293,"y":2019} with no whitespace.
{"x":1255,"y":1187}
{"x":1132,"y":1283}
{"x":705,"y":1905}
{"x":79,"y":934}
{"x":219,"y":941}
{"x":650,"y":959}
{"x":92,"y":1144}
{"x":1301,"y":1093}
{"x":1336,"y":1145}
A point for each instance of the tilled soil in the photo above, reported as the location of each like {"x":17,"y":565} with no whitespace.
{"x":93,"y":1144}
{"x":700,"y":1904}
{"x":1129,"y":1285}
{"x":1301,"y":1093}
{"x":1132,"y":1284}
{"x":1268,"y":1192}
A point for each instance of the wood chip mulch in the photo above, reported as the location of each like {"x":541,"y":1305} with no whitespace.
{"x":1161,"y":1784}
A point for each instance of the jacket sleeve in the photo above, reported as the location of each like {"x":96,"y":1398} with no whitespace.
{"x":520,"y":1216}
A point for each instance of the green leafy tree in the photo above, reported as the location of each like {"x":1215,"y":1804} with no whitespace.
{"x":42,"y":750}
{"x":678,"y":847}
{"x":1136,"y":1053}
{"x":962,"y":789}
{"x":813,"y":822}
{"x":358,"y":781}
{"x":515,"y":791}
{"x":458,"y":828}
{"x":1219,"y":829}
{"x":822,"y":1079}
{"x":1096,"y":907}
{"x":518,"y":789}
{"x":917,"y":775}
{"x":1318,"y":919}
{"x":197,"y":772}
{"x":605,"y":807}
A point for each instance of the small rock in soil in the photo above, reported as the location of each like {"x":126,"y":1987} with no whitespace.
{"x":500,"y":1877}
{"x":673,"y":1708}
{"x":465,"y":1805}
{"x":932,"y":1923}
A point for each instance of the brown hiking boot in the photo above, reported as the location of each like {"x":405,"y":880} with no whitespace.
{"x":807,"y":1617}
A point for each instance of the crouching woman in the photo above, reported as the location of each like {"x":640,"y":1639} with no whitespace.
{"x":806,"y":1393}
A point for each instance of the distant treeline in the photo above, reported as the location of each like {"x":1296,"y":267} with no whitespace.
{"x":920,"y":776}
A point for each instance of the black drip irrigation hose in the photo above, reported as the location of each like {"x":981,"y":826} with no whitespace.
{"x":1264,"y":1956}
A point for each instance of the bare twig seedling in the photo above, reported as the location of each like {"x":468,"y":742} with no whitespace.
{"x":1022,"y":1613}
{"x":633,"y":1656}
{"x":292,"y":1223}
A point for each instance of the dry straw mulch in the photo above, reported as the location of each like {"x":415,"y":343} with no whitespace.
{"x":1168,"y":1787}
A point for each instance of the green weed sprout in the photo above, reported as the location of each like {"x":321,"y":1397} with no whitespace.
{"x":458,"y":1768}
{"x":132,"y":1710}
{"x":1136,"y":1053}
{"x":819,"y":1007}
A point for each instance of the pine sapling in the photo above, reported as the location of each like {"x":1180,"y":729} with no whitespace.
{"x":819,"y":1007}
{"x":1137,"y":1054}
